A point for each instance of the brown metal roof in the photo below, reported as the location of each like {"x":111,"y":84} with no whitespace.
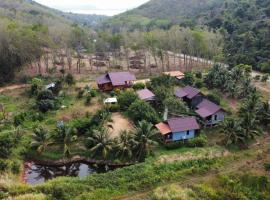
{"x":163,"y":128}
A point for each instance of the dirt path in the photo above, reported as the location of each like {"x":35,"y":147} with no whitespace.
{"x":13,"y":87}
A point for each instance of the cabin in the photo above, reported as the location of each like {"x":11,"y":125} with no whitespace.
{"x":175,"y":74}
{"x":179,"y":128}
{"x":210,"y":112}
{"x":115,"y":80}
{"x":146,"y":95}
{"x":192,"y":96}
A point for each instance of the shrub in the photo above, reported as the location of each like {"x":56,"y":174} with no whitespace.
{"x":45,"y":105}
{"x":199,"y":84}
{"x":88,"y":100}
{"x":3,"y":165}
{"x":188,"y":79}
{"x":113,"y":108}
{"x":265,"y":78}
{"x":93,"y":93}
{"x":200,"y":141}
{"x":257,"y":77}
{"x":45,"y":94}
{"x":80,"y":94}
{"x":267,"y":166}
{"x":141,"y":110}
{"x":69,"y":79}
{"x":214,"y":98}
{"x":126,"y":98}
{"x":15,"y":167}
{"x":6,"y":145}
{"x":19,"y":119}
{"x":198,"y":74}
{"x":138,"y":86}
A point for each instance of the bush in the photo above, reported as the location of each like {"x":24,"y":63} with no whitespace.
{"x":19,"y":119}
{"x":6,"y":145}
{"x":265,"y":78}
{"x":45,"y":95}
{"x":199,"y":84}
{"x":88,"y":100}
{"x":257,"y":77}
{"x":200,"y":141}
{"x":69,"y":79}
{"x":214,"y":98}
{"x":138,"y":86}
{"x":3,"y":165}
{"x":267,"y":166}
{"x":45,"y":105}
{"x":141,"y":110}
{"x":126,"y":98}
{"x":93,"y":93}
{"x":15,"y":167}
{"x":113,"y":108}
{"x":80,"y":94}
{"x":198,"y":74}
{"x":188,"y":79}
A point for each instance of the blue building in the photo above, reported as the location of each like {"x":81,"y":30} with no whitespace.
{"x":177,"y":129}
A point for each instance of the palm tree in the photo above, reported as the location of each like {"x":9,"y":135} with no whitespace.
{"x":264,"y":114}
{"x":232,"y":130}
{"x":65,"y":136}
{"x":250,"y":125}
{"x":101,"y":143}
{"x":144,"y":137}
{"x":41,"y":140}
{"x":125,"y":145}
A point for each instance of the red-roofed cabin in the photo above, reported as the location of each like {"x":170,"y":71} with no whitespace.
{"x":115,"y":80}
{"x":177,"y":129}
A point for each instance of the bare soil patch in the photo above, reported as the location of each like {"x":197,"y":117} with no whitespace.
{"x":119,"y":123}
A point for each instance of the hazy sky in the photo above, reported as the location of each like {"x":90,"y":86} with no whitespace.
{"x":105,"y":7}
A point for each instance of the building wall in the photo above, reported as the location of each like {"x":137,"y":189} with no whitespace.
{"x":218,"y":117}
{"x":183,"y":135}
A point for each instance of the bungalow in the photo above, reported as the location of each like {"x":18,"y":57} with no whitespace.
{"x":115,"y":80}
{"x":210,"y":112}
{"x":175,"y":74}
{"x":177,"y":129}
{"x":146,"y":95}
{"x":190,"y":95}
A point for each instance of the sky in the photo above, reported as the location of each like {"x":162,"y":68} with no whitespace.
{"x":103,"y":7}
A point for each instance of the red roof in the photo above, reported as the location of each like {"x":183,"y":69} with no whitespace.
{"x":207,"y":108}
{"x":180,"y":124}
{"x":188,"y":91}
{"x":163,"y":128}
{"x":146,"y":94}
{"x":116,"y":78}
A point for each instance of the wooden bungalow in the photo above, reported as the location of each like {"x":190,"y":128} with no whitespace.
{"x":115,"y":80}
{"x":190,"y":95}
{"x":210,"y":112}
{"x":177,"y":129}
{"x":175,"y":74}
{"x":146,"y":95}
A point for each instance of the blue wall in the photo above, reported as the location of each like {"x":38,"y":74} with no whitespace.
{"x":183,"y":135}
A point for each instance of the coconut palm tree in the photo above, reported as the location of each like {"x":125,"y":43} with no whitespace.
{"x":264,"y":114}
{"x":125,"y":145}
{"x":65,"y":136}
{"x":232,"y":130}
{"x":101,"y":143}
{"x":41,"y":140}
{"x":144,"y":137}
{"x":250,"y":125}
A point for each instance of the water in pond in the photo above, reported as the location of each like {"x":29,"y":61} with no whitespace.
{"x":36,"y":174}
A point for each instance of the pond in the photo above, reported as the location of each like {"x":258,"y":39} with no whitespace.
{"x":35,"y":173}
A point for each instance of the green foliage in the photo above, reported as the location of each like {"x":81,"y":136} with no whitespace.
{"x":200,"y":141}
{"x":6,"y":145}
{"x":214,"y":97}
{"x":88,"y":100}
{"x":199,"y":84}
{"x":138,"y":86}
{"x":126,"y":98}
{"x":265,"y":78}
{"x":69,"y":79}
{"x":80,"y":94}
{"x":189,"y":78}
{"x":176,"y":105}
{"x":141,"y":110}
{"x":267,"y":166}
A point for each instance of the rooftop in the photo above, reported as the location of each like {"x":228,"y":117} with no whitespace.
{"x":116,"y":78}
{"x":177,"y":74}
{"x":180,"y":124}
{"x":163,"y":128}
{"x":146,"y":94}
{"x":207,"y":108}
{"x":188,"y":91}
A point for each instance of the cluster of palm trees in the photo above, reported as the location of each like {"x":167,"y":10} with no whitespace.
{"x":253,"y":117}
{"x":129,"y":146}
{"x":236,"y":82}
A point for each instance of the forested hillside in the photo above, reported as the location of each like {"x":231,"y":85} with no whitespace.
{"x":244,"y":23}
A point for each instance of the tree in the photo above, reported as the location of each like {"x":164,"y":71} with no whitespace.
{"x":264,"y":114}
{"x":6,"y":145}
{"x":69,"y":79}
{"x":126,"y":98}
{"x":125,"y":145}
{"x":41,"y":140}
{"x":101,"y":144}
{"x":145,"y":139}
{"x":141,"y":110}
{"x":176,"y":106}
{"x":65,"y":136}
{"x":233,"y":131}
{"x":189,"y":78}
